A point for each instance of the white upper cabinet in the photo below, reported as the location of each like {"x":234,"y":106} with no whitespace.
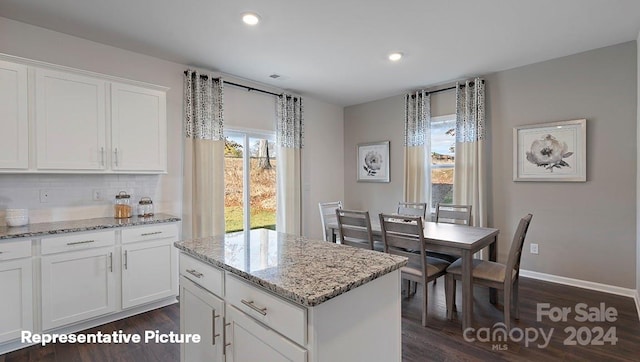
{"x":55,"y":119}
{"x":14,"y":127}
{"x":138,"y":128}
{"x":70,"y":121}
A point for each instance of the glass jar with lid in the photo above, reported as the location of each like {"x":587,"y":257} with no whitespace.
{"x":145,"y":207}
{"x":122,"y":205}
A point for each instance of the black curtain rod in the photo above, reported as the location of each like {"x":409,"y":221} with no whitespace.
{"x":240,"y":85}
{"x":450,"y":88}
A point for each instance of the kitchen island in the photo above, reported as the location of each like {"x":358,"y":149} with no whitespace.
{"x":268,"y":296}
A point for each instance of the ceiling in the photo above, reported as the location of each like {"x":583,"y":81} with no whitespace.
{"x":336,"y":50}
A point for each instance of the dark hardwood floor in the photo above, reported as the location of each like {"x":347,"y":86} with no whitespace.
{"x":442,"y":340}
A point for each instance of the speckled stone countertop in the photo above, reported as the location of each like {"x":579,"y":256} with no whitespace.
{"x":61,"y":227}
{"x":308,"y":272}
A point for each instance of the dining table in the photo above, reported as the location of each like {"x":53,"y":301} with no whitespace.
{"x":462,"y":240}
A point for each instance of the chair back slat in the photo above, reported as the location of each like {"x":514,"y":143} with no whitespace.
{"x":328,"y":215}
{"x":515,"y":253}
{"x":412,"y":209}
{"x":355,"y":228}
{"x":453,"y":214}
{"x":405,"y":237}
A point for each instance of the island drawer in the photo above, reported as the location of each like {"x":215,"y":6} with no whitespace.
{"x":77,"y":241}
{"x":152,"y":232}
{"x":15,"y":249}
{"x":207,"y":276}
{"x":285,"y":317}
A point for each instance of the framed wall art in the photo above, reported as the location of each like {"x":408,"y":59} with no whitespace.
{"x":554,"y":151}
{"x":373,"y":162}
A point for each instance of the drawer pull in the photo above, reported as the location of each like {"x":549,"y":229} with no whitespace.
{"x":153,"y":233}
{"x":213,"y":326}
{"x":126,"y":260}
{"x":251,"y":305}
{"x":111,"y":262}
{"x":81,"y":242}
{"x":195,"y":273}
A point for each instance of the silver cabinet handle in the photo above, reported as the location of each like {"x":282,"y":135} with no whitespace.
{"x":195,"y":273}
{"x":250,"y":304}
{"x":111,"y":262}
{"x":125,"y":260}
{"x":81,"y":242}
{"x":224,"y":337}
{"x":213,"y":326}
{"x":102,"y":155}
{"x":116,"y":158}
{"x":153,"y":233}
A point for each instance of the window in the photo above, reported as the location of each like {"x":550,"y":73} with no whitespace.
{"x":250,"y":181}
{"x":443,"y":143}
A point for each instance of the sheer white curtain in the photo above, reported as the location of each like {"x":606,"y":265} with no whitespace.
{"x":417,"y":147}
{"x":203,"y":156}
{"x":469,"y":181}
{"x":289,"y":142}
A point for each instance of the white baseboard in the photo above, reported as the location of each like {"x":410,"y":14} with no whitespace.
{"x":611,"y":289}
{"x":637,"y":298}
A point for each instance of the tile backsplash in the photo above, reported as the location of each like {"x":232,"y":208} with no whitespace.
{"x":68,"y":197}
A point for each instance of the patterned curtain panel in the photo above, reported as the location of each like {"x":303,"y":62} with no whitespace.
{"x":203,"y":203}
{"x":289,"y":142}
{"x":417,"y":147}
{"x":469,"y":181}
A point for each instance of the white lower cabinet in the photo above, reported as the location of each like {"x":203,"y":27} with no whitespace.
{"x":16,"y":306}
{"x":77,"y":286}
{"x":148,"y":272}
{"x":251,"y":341}
{"x":262,"y":326}
{"x":201,"y":313}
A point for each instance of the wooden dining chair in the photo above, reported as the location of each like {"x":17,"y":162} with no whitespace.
{"x":494,"y":275}
{"x":451,"y":214}
{"x":412,"y":209}
{"x":355,"y":228}
{"x":327,"y":215}
{"x":402,"y":236}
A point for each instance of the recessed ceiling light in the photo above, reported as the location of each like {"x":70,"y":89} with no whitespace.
{"x":394,"y":57}
{"x":250,"y":18}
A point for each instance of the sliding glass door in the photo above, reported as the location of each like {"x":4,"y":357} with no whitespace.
{"x":250,"y":181}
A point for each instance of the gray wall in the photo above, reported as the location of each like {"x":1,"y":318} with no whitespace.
{"x":638,"y":184}
{"x":586,"y":230}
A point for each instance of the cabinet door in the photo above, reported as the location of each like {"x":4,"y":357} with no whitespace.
{"x":16,"y":303}
{"x":70,"y":121}
{"x":201,"y":313}
{"x":252,"y":341}
{"x":14,"y":135}
{"x":149,"y":272}
{"x":138,"y":128}
{"x":77,"y":286}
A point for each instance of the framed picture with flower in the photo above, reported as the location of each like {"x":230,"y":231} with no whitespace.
{"x":373,"y":162}
{"x":555,"y":151}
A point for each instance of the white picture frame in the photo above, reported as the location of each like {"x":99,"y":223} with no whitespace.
{"x":555,"y":151}
{"x":373,"y":162}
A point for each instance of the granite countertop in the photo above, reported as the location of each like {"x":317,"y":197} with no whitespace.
{"x":71,"y":226}
{"x":308,"y":272}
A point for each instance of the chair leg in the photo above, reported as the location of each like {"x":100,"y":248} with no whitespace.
{"x":507,"y":306}
{"x":516,"y":313}
{"x":407,"y":287}
{"x":425,"y":301}
{"x":450,"y":287}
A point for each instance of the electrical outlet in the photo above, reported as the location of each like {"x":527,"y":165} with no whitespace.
{"x":44,"y":196}
{"x":97,"y":195}
{"x":534,"y":249}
